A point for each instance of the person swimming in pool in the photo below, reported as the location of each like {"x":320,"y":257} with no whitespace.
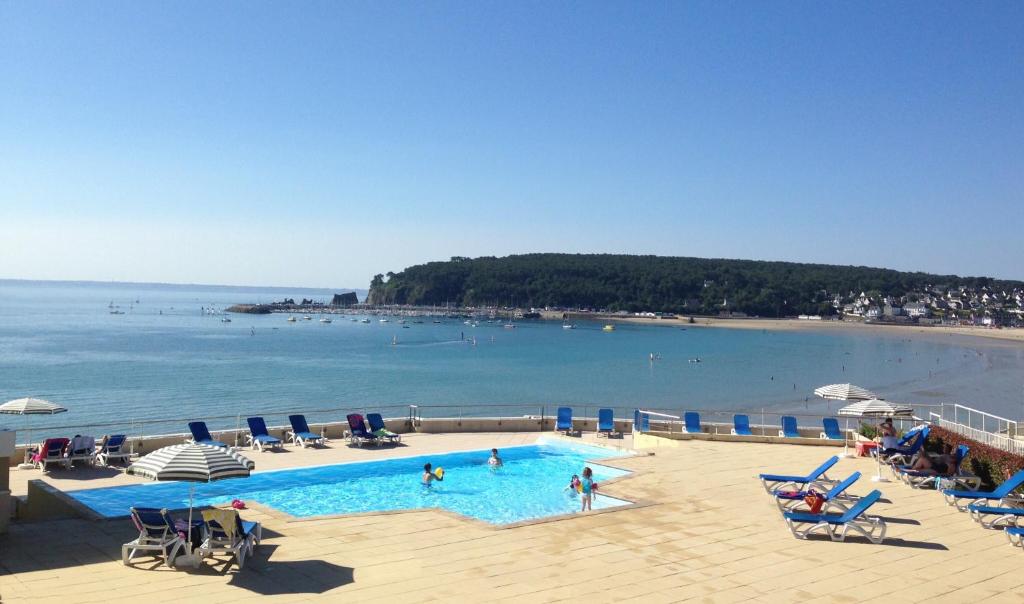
{"x":428,"y":476}
{"x":494,"y":461}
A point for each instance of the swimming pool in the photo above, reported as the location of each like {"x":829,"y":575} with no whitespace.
{"x":529,"y":486}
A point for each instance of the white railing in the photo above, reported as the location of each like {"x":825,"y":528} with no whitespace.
{"x":980,"y":426}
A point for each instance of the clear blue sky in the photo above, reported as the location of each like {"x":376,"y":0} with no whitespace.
{"x":319,"y":143}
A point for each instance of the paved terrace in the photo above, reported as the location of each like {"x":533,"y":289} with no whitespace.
{"x":709,"y":533}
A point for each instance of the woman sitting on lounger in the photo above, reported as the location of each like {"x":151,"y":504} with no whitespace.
{"x":940,"y":465}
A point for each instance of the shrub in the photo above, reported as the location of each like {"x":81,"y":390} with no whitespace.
{"x":990,"y":464}
{"x":868,"y":431}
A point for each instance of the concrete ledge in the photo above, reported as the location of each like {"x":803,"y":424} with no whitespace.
{"x":46,"y":502}
{"x":665,"y":439}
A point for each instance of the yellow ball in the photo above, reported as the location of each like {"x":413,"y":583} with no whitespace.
{"x":439,"y":472}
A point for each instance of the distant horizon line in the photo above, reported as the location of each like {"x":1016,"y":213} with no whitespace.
{"x":183,"y":285}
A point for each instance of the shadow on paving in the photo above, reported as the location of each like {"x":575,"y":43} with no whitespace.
{"x":267,"y":577}
{"x":82,"y":473}
{"x":889,"y":541}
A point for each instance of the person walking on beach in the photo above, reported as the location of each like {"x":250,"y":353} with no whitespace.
{"x":587,"y":489}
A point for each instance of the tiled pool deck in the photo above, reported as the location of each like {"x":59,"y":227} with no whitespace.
{"x":709,"y":532}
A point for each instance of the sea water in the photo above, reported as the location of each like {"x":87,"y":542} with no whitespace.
{"x":529,"y":485}
{"x":165,"y":358}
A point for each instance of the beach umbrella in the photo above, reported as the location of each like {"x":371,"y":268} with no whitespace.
{"x":877,"y":408}
{"x":192,"y":463}
{"x":844,"y":392}
{"x":30,"y":406}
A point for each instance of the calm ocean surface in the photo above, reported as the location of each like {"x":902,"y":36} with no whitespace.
{"x":60,"y":342}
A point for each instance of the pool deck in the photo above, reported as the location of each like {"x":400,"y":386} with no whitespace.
{"x":708,"y":533}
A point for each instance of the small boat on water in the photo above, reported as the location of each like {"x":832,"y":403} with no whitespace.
{"x":568,"y":326}
{"x":225,"y":320}
{"x":608,"y":328}
{"x":383,"y":320}
{"x":364,"y":321}
{"x":353,"y":319}
{"x":325,"y":319}
{"x":307,"y":318}
{"x":291,"y":319}
{"x":437,"y":322}
{"x":510,"y":325}
{"x":401,"y":321}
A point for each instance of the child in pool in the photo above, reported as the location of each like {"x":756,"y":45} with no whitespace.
{"x":574,"y":484}
{"x":587,"y":491}
{"x":494,"y":461}
{"x":428,"y":476}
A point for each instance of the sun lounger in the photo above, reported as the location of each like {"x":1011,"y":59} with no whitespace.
{"x":871,"y":527}
{"x":301,"y":434}
{"x":831,"y":427}
{"x":358,"y":435}
{"x":380,"y":430}
{"x":259,"y":437}
{"x":113,"y":448}
{"x":817,"y":477}
{"x":605,"y":422}
{"x":1016,"y":535}
{"x":995,"y":516}
{"x":641,"y":421}
{"x":82,"y":448}
{"x":227,"y":533}
{"x":920,"y":479}
{"x":691,"y":421}
{"x":789,"y":427}
{"x":52,"y":452}
{"x":563,"y":422}
{"x":908,"y":446}
{"x":958,"y":498}
{"x":741,"y":426}
{"x":156,"y":534}
{"x":790,"y":501}
{"x":201,"y":435}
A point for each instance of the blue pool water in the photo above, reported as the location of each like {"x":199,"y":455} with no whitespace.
{"x":530,"y":485}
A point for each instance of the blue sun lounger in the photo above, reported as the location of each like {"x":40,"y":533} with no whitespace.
{"x":379,"y":429}
{"x":789,"y":428}
{"x":605,"y":422}
{"x":831,"y":427}
{"x":1003,"y":515}
{"x":113,"y":448}
{"x":691,"y":420}
{"x":789,"y":501}
{"x":201,"y":435}
{"x":907,"y":447}
{"x":957,"y":498}
{"x":259,"y":437}
{"x":157,"y":534}
{"x":563,"y":422}
{"x":741,"y":426}
{"x":871,"y":527}
{"x":920,"y":479}
{"x":301,"y":434}
{"x":772,"y":482}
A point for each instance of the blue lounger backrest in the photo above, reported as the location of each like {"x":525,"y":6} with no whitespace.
{"x":824,"y":467}
{"x":861,"y":506}
{"x":155,"y":522}
{"x":692,"y":419}
{"x":1009,"y":485}
{"x":199,"y":431}
{"x":605,"y":420}
{"x":789,"y":429}
{"x":114,"y":443}
{"x":831,"y":428}
{"x":641,"y":420}
{"x":257,"y":426}
{"x":837,"y":490}
{"x":909,"y":436}
{"x":741,"y":423}
{"x":376,"y":421}
{"x":298,"y":423}
{"x":564,"y":418}
{"x":961,"y":455}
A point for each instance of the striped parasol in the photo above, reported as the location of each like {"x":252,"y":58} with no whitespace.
{"x":31,"y":406}
{"x":844,"y":392}
{"x":192,"y":462}
{"x":875,"y":408}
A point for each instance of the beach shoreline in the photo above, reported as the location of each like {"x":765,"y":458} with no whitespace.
{"x":1005,"y":334}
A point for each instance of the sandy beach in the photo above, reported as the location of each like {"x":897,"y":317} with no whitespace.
{"x":1006,"y":334}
